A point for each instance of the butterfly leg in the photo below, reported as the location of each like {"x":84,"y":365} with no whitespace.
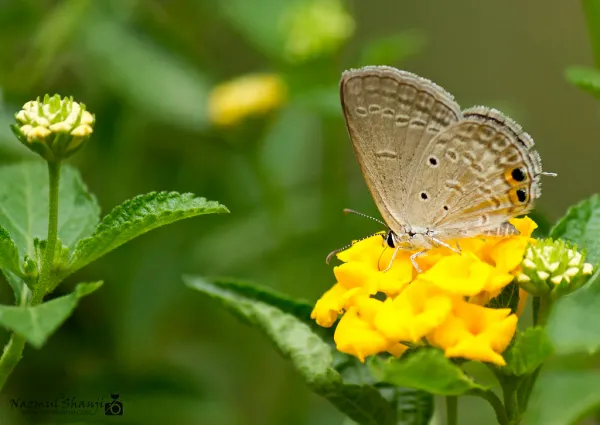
{"x":445,"y":245}
{"x":413,"y":260}
{"x":392,"y":260}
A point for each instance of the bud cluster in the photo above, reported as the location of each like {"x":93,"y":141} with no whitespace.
{"x":54,"y":128}
{"x":553,"y":267}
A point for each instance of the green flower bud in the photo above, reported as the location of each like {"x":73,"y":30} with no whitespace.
{"x":553,"y":267}
{"x":30,"y":268}
{"x":55,"y":128}
{"x":61,"y":254}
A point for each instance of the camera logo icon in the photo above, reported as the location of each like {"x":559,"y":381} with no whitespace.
{"x":114,"y":407}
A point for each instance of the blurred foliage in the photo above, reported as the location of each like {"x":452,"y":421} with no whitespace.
{"x":147,"y":69}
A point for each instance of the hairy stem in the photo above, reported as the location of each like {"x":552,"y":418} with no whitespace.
{"x":46,"y":273}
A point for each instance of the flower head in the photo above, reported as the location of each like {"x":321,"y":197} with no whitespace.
{"x":55,"y":128}
{"x":446,"y":305}
{"x":553,"y":267}
{"x":255,"y":94}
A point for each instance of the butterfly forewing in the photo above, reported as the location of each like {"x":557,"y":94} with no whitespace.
{"x":392,"y":116}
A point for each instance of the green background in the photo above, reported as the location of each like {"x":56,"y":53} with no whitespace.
{"x":145,"y":69}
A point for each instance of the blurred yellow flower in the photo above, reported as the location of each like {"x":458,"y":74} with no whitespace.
{"x":443,"y":306}
{"x":253,"y":94}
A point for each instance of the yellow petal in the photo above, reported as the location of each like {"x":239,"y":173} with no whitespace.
{"x":356,"y":337}
{"x":331,"y":304}
{"x":524,"y":225}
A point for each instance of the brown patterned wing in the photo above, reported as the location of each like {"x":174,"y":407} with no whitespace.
{"x":392,"y":117}
{"x":481,"y":172}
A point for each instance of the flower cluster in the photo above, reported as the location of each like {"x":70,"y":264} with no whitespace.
{"x":55,"y":127}
{"x":446,"y":305}
{"x":252,"y":94}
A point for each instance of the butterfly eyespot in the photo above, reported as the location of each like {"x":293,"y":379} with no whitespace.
{"x":424,"y":196}
{"x":433,"y":161}
{"x":446,"y":208}
{"x":521,"y":195}
{"x":518,"y":175}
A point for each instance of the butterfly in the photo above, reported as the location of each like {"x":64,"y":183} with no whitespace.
{"x":436,"y":173}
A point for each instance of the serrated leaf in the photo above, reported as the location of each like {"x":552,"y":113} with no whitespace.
{"x":530,"y":349}
{"x":9,"y":253}
{"x":312,"y":357}
{"x":426,"y":369}
{"x":24,"y":205}
{"x":587,"y":79}
{"x":581,"y":225}
{"x":37,"y":323}
{"x":574,"y":322}
{"x":136,"y":217}
{"x":300,"y":309}
{"x":563,"y":397}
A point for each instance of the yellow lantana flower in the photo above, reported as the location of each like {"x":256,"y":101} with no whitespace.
{"x":443,"y":306}
{"x":253,"y":94}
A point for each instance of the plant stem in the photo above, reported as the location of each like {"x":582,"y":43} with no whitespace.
{"x":46,"y":273}
{"x":545,"y":303}
{"x":451,"y":410}
{"x":13,"y":351}
{"x":495,"y":402}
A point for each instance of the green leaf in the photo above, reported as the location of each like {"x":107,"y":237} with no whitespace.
{"x":563,"y":397}
{"x":37,"y":323}
{"x":587,"y":79}
{"x":573,"y":324}
{"x":136,"y":217}
{"x":425,"y":369}
{"x":300,"y":309}
{"x":312,"y":357}
{"x":581,"y":225}
{"x":24,"y":205}
{"x":508,"y":298}
{"x":530,"y":349}
{"x":9,"y":254}
{"x":18,"y":285}
{"x":393,"y":49}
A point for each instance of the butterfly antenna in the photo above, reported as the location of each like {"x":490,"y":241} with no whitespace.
{"x":332,"y":253}
{"x":349,"y":211}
